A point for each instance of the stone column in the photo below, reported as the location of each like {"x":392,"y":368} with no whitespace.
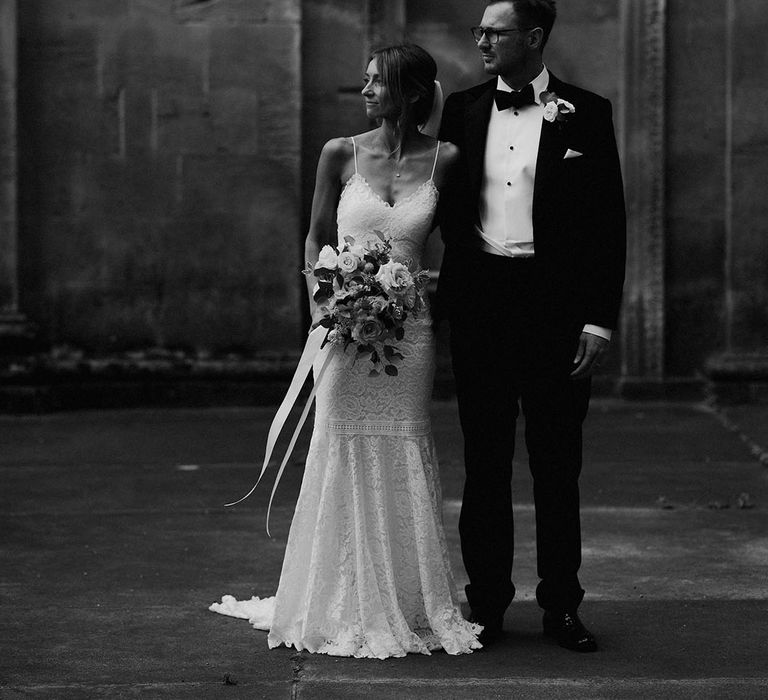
{"x":8,"y":227}
{"x":641,"y":110}
{"x":14,"y":329}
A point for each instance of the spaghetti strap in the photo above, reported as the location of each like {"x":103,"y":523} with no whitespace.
{"x":354,"y":151}
{"x":434,"y":165}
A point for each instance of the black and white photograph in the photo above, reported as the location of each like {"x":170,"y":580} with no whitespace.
{"x":398,"y":349}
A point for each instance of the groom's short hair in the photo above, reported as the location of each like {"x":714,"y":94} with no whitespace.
{"x":534,"y":13}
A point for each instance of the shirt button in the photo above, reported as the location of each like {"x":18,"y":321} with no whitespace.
{"x":511,"y":148}
{"x":516,"y":113}
{"x":509,"y":184}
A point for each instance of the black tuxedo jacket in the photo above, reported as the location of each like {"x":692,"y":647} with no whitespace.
{"x":579,"y":225}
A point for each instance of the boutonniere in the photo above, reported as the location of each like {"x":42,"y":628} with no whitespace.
{"x":555,"y":109}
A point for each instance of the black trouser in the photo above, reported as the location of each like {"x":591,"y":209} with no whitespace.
{"x":508,"y":349}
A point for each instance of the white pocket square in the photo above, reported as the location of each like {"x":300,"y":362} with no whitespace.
{"x":572,"y":154}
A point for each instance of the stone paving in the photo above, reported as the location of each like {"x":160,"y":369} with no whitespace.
{"x":114,"y":541}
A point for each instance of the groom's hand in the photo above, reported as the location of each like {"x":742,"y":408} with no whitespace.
{"x":588,"y":356}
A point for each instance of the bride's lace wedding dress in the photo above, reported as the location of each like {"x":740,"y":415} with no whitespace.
{"x":366,"y":570}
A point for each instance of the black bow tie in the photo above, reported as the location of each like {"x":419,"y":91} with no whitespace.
{"x":505,"y":100}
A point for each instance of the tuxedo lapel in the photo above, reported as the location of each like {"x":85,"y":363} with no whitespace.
{"x":552,"y":148}
{"x":478,"y":115}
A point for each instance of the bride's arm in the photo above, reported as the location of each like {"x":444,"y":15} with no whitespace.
{"x":322,"y":226}
{"x":446,"y":176}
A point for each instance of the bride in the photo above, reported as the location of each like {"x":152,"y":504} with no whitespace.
{"x":366,"y":570}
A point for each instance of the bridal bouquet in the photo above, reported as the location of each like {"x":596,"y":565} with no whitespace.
{"x":366,"y":297}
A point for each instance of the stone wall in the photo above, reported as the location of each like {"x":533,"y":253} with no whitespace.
{"x":717,"y":155}
{"x":167,"y":151}
{"x":159,"y":172}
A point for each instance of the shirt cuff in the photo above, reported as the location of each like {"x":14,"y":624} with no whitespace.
{"x":598,"y":331}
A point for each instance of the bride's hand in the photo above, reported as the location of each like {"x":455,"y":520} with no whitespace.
{"x":317,"y":316}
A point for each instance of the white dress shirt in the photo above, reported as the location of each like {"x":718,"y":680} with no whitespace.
{"x":509,"y":171}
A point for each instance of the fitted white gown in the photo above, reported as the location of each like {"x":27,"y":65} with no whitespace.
{"x":366,"y":570}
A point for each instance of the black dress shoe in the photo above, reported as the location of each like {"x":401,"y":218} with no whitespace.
{"x":492,"y":628}
{"x":569,"y":631}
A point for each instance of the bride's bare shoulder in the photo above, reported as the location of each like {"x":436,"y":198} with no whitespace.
{"x":343,"y":147}
{"x":338,"y":149}
{"x":336,"y":158}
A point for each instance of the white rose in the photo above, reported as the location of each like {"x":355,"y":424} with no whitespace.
{"x":569,"y":108}
{"x":551,"y":111}
{"x":394,"y":276}
{"x":347,"y":261}
{"x":327,"y":258}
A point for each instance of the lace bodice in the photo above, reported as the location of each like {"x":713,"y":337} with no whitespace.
{"x":408,"y":222}
{"x":349,"y":401}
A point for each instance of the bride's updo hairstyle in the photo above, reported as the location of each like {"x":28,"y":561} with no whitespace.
{"x":408,"y":71}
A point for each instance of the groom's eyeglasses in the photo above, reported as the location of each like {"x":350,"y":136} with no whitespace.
{"x":492,"y":34}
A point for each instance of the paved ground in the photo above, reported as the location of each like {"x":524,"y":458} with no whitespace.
{"x":114,"y":541}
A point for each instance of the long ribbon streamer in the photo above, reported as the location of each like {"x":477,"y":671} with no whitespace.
{"x":295,"y":435}
{"x":311,"y":350}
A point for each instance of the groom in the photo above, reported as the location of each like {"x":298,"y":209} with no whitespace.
{"x":534,"y":227}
